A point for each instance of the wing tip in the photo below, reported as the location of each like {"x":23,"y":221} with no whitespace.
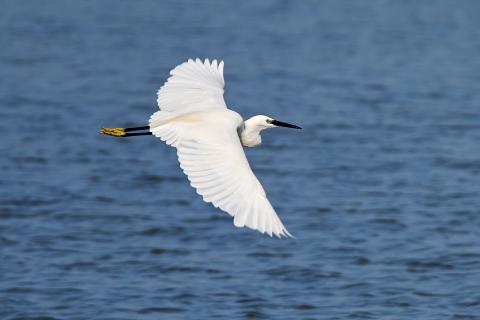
{"x":287,"y":234}
{"x":217,"y":64}
{"x":279,"y":234}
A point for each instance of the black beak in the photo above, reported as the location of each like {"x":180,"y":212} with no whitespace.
{"x":284,"y":124}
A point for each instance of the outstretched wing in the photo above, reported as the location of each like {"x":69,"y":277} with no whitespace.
{"x":211,"y":155}
{"x":193,"y":118}
{"x":193,"y":86}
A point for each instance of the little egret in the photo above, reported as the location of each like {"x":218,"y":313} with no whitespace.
{"x":194,"y":119}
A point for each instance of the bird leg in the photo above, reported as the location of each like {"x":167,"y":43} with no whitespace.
{"x":124,"y":132}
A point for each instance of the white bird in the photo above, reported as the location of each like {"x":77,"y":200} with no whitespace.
{"x":208,"y":136}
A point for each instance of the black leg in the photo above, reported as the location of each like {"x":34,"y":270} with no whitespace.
{"x":137,"y":134}
{"x":137,"y":128}
{"x":122,"y":132}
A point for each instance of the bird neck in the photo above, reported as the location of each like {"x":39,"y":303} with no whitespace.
{"x":250,"y":133}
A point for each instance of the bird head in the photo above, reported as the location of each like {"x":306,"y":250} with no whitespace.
{"x":265,"y":122}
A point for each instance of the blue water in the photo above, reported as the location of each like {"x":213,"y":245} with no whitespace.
{"x":381,"y":188}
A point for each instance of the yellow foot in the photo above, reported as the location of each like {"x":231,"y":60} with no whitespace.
{"x":116,"y":132}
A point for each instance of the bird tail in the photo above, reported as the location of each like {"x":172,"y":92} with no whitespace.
{"x":160,"y":118}
{"x":161,"y":128}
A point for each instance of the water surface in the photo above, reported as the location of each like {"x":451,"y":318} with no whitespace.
{"x":381,"y":188}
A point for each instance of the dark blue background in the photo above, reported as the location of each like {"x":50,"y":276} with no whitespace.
{"x":381,"y":188}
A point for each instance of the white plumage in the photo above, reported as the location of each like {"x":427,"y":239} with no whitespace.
{"x":194,"y":118}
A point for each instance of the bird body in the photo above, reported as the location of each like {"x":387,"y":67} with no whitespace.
{"x":194,"y":118}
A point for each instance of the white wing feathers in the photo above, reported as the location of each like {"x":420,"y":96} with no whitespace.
{"x":193,"y":86}
{"x":194,"y":119}
{"x":218,"y":169}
